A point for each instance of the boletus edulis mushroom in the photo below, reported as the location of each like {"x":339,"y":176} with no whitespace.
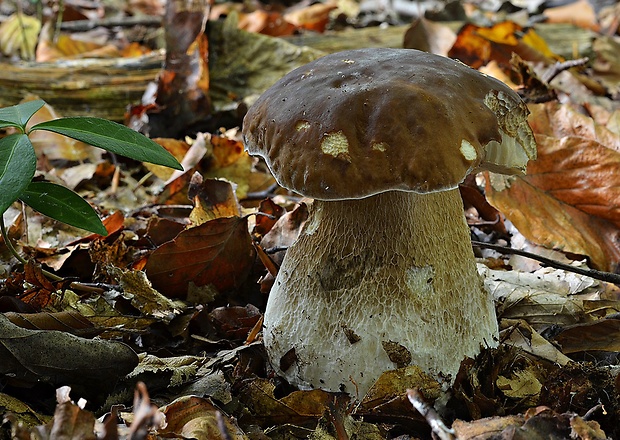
{"x":383,"y":274}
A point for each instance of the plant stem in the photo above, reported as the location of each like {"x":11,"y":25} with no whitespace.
{"x":608,"y":277}
{"x":8,"y":242}
{"x":11,"y":248}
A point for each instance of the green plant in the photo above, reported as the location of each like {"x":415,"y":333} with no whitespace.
{"x":18,"y":163}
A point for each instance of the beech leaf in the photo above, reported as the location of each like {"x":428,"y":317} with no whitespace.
{"x":218,"y":252}
{"x":570,"y":197}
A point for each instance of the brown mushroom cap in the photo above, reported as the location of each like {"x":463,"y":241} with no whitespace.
{"x":361,"y":122}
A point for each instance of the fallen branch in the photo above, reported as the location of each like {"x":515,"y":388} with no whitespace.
{"x":592,"y":273}
{"x":437,"y":425}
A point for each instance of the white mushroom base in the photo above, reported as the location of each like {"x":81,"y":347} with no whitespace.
{"x":376,"y":284}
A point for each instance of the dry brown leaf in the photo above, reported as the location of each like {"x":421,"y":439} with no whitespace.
{"x":69,"y":321}
{"x":195,"y":417}
{"x":272,"y":212}
{"x":235,"y":322}
{"x":218,"y":252}
{"x":297,"y":407}
{"x":314,"y":17}
{"x":601,"y":335}
{"x":570,"y":198}
{"x":429,"y":36}
{"x":70,"y":420}
{"x":213,"y":198}
{"x":606,"y":63}
{"x":267,"y":23}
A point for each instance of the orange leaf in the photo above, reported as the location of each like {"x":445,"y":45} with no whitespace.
{"x":570,"y":198}
{"x":476,"y":45}
{"x":314,"y":17}
{"x":218,"y":252}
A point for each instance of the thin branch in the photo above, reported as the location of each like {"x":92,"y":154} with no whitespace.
{"x":592,"y":273}
{"x":437,"y":425}
{"x":559,"y":67}
{"x":87,"y":25}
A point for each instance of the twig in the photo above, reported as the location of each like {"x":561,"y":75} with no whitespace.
{"x":559,"y":67}
{"x":437,"y":425}
{"x":87,"y":25}
{"x":221,"y":426}
{"x":264,"y":194}
{"x":592,"y":273}
{"x":335,"y":416}
{"x":599,"y":407}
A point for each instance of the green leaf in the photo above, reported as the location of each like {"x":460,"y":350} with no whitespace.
{"x":19,"y":115}
{"x":17,"y":166}
{"x":62,"y":204}
{"x":111,"y":137}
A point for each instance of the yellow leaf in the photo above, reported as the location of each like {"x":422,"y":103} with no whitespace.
{"x":19,"y":35}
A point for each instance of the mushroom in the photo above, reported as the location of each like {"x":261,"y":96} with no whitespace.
{"x":383,"y":274}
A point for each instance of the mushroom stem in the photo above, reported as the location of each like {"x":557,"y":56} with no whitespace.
{"x":376,"y":284}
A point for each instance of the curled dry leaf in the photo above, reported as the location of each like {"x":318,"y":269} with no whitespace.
{"x":314,"y":17}
{"x":580,"y":13}
{"x":195,"y":417}
{"x":68,"y":321}
{"x":299,"y":407}
{"x":537,"y":423}
{"x":570,"y":197}
{"x":213,"y":198}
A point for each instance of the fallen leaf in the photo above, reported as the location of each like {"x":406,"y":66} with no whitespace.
{"x":195,"y":417}
{"x":174,"y":370}
{"x":570,"y":197}
{"x":57,"y":357}
{"x":235,"y":322}
{"x":313,"y":18}
{"x":267,"y":23}
{"x":580,"y":13}
{"x":429,"y":36}
{"x":600,"y":335}
{"x":522,"y":384}
{"x":272,"y":212}
{"x":18,"y":36}
{"x":606,"y":63}
{"x":137,"y":288}
{"x":295,"y":408}
{"x":218,"y":252}
{"x":213,"y":198}
{"x":66,"y":321}
{"x":477,"y":45}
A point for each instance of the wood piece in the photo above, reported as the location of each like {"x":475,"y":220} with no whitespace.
{"x":93,"y":87}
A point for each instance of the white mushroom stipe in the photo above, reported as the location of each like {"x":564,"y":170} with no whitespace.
{"x":395,"y":269}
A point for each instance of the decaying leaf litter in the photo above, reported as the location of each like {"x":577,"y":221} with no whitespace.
{"x":195,"y":319}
